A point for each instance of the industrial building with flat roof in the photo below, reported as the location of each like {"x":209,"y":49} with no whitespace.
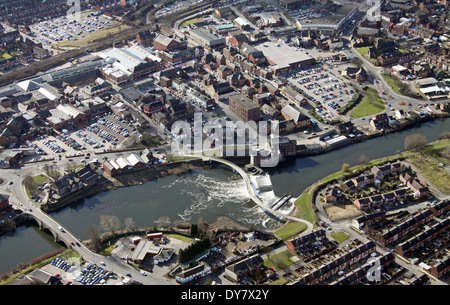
{"x":283,"y":58}
{"x":205,"y":38}
{"x":135,"y":61}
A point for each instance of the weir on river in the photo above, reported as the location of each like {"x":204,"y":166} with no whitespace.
{"x":264,"y":190}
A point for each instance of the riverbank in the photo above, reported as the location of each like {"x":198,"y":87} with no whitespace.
{"x":306,"y":202}
{"x":378,"y":133}
{"x":107,"y":183}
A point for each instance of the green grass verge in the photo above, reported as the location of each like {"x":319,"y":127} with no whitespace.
{"x":340,"y":236}
{"x":190,"y":21}
{"x":279,"y":261}
{"x":290,"y":230}
{"x":370,"y":104}
{"x":180,"y":237}
{"x":306,"y":210}
{"x":362,"y":50}
{"x":395,"y":83}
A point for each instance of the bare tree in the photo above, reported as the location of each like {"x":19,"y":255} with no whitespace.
{"x":110,"y":223}
{"x":130,"y":224}
{"x":202,"y":225}
{"x":445,"y":135}
{"x":446,"y":152}
{"x":415,"y":141}
{"x":95,"y":238}
{"x":164,"y":221}
{"x":345,"y":167}
{"x":363,"y":159}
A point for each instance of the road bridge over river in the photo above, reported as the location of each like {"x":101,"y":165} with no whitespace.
{"x":31,"y":211}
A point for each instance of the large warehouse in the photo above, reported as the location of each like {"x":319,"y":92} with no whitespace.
{"x":283,"y":58}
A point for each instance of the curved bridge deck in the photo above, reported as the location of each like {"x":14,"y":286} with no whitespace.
{"x":253,"y":195}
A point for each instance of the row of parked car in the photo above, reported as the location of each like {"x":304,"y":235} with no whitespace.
{"x":62,"y":264}
{"x":114,"y":126}
{"x":101,"y":133}
{"x":93,"y":275}
{"x":69,"y":141}
{"x":54,"y":146}
{"x":88,"y":139}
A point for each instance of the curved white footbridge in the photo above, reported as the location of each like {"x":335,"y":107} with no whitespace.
{"x":255,"y":197}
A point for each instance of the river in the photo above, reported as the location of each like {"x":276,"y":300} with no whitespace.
{"x":206,"y":193}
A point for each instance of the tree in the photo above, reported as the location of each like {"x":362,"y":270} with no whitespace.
{"x":278,"y":262}
{"x":415,"y":141}
{"x":345,"y":167}
{"x":94,"y":237}
{"x":193,"y":230}
{"x":30,"y":185}
{"x":130,"y":224}
{"x":445,"y":135}
{"x":164,"y":221}
{"x":363,"y":159}
{"x":202,"y":225}
{"x":110,"y":223}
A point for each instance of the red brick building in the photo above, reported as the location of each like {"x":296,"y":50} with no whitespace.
{"x":244,"y":108}
{"x":166,"y":43}
{"x":4,"y":204}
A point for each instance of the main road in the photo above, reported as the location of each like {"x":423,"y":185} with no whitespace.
{"x":13,"y":186}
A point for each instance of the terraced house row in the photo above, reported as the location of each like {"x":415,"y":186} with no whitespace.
{"x":360,"y":275}
{"x":327,"y":271}
{"x":412,"y":244}
{"x":405,"y":228}
{"x":26,"y":12}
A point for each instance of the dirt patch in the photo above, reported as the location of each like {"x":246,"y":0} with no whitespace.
{"x":336,"y":212}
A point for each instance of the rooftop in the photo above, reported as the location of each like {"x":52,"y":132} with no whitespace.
{"x":244,"y":101}
{"x":281,"y":54}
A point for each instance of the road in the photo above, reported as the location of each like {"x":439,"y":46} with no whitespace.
{"x":19,"y":199}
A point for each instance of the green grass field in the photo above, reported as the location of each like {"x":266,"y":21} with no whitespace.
{"x":190,"y":21}
{"x":427,"y":162}
{"x":306,"y":211}
{"x":362,"y":50}
{"x":370,"y":104}
{"x":290,"y":230}
{"x":395,"y":83}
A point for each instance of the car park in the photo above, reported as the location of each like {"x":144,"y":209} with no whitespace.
{"x":92,"y":275}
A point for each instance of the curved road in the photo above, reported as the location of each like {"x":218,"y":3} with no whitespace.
{"x":19,"y":199}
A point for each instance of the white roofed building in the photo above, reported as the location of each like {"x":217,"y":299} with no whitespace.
{"x":137,"y":61}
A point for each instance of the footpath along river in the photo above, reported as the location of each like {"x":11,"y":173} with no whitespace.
{"x":207,"y":193}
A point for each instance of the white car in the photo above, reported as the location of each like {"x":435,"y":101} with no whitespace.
{"x":143,"y":273}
